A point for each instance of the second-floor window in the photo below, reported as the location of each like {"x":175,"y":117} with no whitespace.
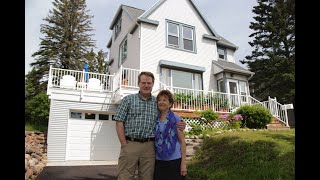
{"x":117,"y":28}
{"x":123,"y":50}
{"x":222,"y":53}
{"x":180,"y":36}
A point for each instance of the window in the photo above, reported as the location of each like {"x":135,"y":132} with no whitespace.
{"x":221,"y":86}
{"x":103,"y":116}
{"x":222,"y":53}
{"x":180,"y":36}
{"x":76,"y":115}
{"x":173,"y":35}
{"x":117,"y":28}
{"x":187,"y":33}
{"x":90,"y":116}
{"x":123,"y":52}
{"x":243,"y":91}
{"x":181,"y":79}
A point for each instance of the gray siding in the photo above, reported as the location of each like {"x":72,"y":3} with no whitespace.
{"x":133,"y":46}
{"x":58,"y":124}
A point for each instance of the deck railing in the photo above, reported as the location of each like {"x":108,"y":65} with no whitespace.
{"x":80,"y":80}
{"x":185,"y":99}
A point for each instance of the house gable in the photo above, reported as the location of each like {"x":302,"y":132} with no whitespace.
{"x":210,"y":35}
{"x":154,"y":38}
{"x":146,"y":14}
{"x":129,"y":16}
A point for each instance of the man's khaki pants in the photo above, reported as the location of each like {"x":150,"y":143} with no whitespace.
{"x":135,"y":153}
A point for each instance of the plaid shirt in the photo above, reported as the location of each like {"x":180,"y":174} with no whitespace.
{"x":139,"y":116}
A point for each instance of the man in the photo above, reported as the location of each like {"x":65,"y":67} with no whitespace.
{"x":136,"y":119}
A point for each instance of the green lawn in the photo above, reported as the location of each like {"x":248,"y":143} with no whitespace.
{"x":245,"y":155}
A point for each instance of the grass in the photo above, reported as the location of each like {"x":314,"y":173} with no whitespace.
{"x":35,"y":127}
{"x":245,"y":155}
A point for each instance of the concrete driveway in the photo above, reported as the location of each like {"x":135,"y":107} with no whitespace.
{"x":88,"y":172}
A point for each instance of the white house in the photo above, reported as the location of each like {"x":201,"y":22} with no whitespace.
{"x":173,"y":40}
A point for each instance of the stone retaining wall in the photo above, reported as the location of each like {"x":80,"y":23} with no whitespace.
{"x":35,"y":154}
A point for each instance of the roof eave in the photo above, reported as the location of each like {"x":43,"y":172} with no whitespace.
{"x":228,"y":45}
{"x":109,"y":43}
{"x":115,"y":18}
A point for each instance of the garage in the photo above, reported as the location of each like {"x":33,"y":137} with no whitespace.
{"x":91,"y":137}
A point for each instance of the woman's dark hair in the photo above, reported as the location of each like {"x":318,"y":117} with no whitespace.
{"x":166,"y":93}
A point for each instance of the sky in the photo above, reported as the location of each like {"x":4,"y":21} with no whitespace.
{"x":229,"y":18}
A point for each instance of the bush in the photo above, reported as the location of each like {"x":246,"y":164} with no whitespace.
{"x":37,"y":110}
{"x":208,"y":116}
{"x":255,"y":116}
{"x":196,"y":129}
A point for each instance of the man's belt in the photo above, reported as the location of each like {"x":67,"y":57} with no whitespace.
{"x":141,"y":140}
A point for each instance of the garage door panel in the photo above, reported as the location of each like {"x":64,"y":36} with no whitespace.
{"x":92,"y":140}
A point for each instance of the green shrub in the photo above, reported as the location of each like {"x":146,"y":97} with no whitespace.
{"x":37,"y":110}
{"x":208,"y":115}
{"x":196,"y":129}
{"x":255,"y":116}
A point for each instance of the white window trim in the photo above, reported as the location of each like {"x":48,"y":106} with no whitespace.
{"x":192,"y":81}
{"x":225,"y":52}
{"x":180,"y":36}
{"x":175,"y":35}
{"x":228,"y":86}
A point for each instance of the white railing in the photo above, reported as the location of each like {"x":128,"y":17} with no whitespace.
{"x":79,"y":80}
{"x":185,"y":99}
{"x":277,"y":110}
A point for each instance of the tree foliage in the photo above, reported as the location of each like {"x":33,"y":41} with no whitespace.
{"x":67,"y":39}
{"x":273,"y":57}
{"x":37,"y":109}
{"x":102,"y":65}
{"x":66,"y":44}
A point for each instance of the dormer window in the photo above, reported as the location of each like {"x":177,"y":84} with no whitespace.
{"x":180,"y":36}
{"x":222,"y":53}
{"x":117,"y":28}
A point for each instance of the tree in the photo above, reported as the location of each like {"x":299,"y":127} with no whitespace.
{"x":90,"y":58}
{"x":65,"y":44}
{"x":67,"y":37}
{"x":102,"y":65}
{"x":37,"y":109}
{"x":273,"y":57}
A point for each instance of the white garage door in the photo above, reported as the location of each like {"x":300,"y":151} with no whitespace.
{"x":90,"y":138}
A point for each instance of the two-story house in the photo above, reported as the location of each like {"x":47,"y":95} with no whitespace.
{"x":173,"y":40}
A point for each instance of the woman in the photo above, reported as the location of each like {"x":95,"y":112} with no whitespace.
{"x":169,"y":142}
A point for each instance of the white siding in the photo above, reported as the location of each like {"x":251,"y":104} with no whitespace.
{"x":73,"y":95}
{"x":58,"y":122}
{"x":153,"y":40}
{"x":230,"y":55}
